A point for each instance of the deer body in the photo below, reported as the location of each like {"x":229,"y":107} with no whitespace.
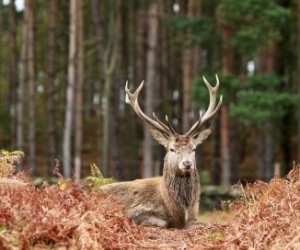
{"x":148,"y":202}
{"x":171,"y":200}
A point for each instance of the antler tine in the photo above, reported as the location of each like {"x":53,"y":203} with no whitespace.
{"x":212,"y":96}
{"x":170,"y":126}
{"x":132,"y":100}
{"x":212,"y":108}
{"x":132,"y":97}
{"x":167,"y":126}
{"x":160,"y":122}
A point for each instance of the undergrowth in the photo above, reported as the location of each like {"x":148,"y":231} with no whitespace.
{"x":72,"y":215}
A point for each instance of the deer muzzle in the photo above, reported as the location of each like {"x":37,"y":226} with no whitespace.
{"x":186,"y":166}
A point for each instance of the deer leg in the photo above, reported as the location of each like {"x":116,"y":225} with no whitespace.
{"x":193,"y":217}
{"x":193,"y":212}
{"x":149,"y":220}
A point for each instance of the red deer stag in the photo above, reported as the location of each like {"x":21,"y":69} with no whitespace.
{"x":172,"y":199}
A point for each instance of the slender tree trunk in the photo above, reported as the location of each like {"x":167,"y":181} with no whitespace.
{"x":139,"y":68}
{"x":98,"y":28}
{"x":13,"y":73}
{"x":117,"y":86}
{"x":297,"y":81}
{"x":226,"y":69}
{"x":187,"y":82}
{"x":69,"y":111}
{"x":265,"y":156}
{"x":141,"y":28}
{"x":235,"y":151}
{"x":225,"y":126}
{"x":20,"y":92}
{"x":189,"y":66}
{"x":79,"y":89}
{"x":51,"y":87}
{"x":270,"y":151}
{"x":110,"y":56}
{"x":225,"y":152}
{"x":215,"y":147}
{"x":265,"y":151}
{"x":1,"y":49}
{"x":150,"y":83}
{"x":30,"y":4}
{"x":116,"y":141}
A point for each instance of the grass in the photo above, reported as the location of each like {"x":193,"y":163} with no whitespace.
{"x":71,"y":215}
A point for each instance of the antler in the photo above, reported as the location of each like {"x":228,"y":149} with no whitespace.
{"x":212,"y":108}
{"x":132,"y":100}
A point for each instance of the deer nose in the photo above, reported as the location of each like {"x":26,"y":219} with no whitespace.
{"x":187,"y":164}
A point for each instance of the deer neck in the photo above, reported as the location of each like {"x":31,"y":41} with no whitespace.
{"x":181,"y":190}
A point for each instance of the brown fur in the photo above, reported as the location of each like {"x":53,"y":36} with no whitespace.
{"x":173,"y":199}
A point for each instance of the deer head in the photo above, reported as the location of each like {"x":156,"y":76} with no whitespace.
{"x":180,"y":157}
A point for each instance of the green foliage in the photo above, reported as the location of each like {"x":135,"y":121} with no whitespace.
{"x":255,"y":23}
{"x":216,"y":235}
{"x":254,"y":100}
{"x":2,"y":229}
{"x":96,"y":179}
{"x":5,"y":153}
{"x":8,"y":162}
{"x":229,"y":84}
{"x":200,"y":29}
{"x":260,"y":98}
{"x":259,"y":106}
{"x":213,"y":196}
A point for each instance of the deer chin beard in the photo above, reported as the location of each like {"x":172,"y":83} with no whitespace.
{"x":184,"y":172}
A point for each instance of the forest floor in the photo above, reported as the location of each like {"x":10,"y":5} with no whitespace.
{"x":215,"y":217}
{"x":72,"y":215}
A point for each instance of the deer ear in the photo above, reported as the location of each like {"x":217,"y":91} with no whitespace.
{"x":160,"y":137}
{"x":201,"y":136}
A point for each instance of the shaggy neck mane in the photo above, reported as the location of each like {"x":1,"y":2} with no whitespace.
{"x":183,"y":189}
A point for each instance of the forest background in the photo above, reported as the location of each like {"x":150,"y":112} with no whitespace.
{"x":64,"y":64}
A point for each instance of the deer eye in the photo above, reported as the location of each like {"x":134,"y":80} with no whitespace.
{"x":172,"y":149}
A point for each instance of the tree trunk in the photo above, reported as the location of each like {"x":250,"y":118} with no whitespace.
{"x":79,"y":89}
{"x":215,"y":171}
{"x":150,"y":83}
{"x":110,"y":56}
{"x":69,"y":111}
{"x":98,"y":28}
{"x":1,"y":49}
{"x":140,"y":43}
{"x":225,"y":126}
{"x":189,"y":70}
{"x":235,"y":151}
{"x":269,"y":151}
{"x":187,"y":82}
{"x":225,"y":152}
{"x":51,"y":87}
{"x":117,"y":86}
{"x":20,"y":92}
{"x":117,"y":162}
{"x":265,"y":151}
{"x":30,"y":5}
{"x":13,"y":73}
{"x":298,"y":76}
{"x":265,"y":157}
